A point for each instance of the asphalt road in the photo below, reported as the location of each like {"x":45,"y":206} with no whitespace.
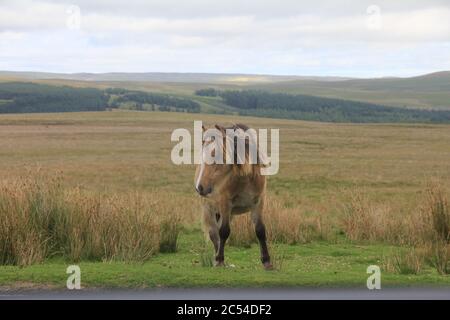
{"x":232,"y":294}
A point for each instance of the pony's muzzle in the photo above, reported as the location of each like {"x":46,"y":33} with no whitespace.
{"x":203,"y":191}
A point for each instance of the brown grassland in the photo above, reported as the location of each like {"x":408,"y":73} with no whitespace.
{"x":101,"y":187}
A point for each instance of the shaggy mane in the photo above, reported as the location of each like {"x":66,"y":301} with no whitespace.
{"x":245,"y":169}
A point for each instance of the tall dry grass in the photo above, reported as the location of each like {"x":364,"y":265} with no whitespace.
{"x":435,"y":214}
{"x":242,"y":231}
{"x":283,"y":225}
{"x":435,"y":226}
{"x":364,"y":220}
{"x":409,"y":261}
{"x":425,"y":231}
{"x":39,"y":219}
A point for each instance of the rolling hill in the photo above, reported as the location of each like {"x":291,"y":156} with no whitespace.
{"x":163,"y":77}
{"x":431,"y":91}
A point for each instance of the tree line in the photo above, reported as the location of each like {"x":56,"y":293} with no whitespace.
{"x":20,"y":97}
{"x":140,"y":100}
{"x":304,"y":107}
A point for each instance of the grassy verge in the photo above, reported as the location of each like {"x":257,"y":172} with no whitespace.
{"x":318,"y":264}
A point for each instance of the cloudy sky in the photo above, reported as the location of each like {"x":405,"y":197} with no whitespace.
{"x":322,"y":37}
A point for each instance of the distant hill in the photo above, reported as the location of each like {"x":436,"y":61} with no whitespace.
{"x":434,"y":82}
{"x":430,"y":91}
{"x":163,"y":77}
{"x":29,"y":97}
{"x":304,"y":107}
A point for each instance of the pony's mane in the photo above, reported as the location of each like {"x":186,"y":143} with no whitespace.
{"x":245,"y":169}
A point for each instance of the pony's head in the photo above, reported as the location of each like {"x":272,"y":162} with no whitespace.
{"x":211,"y":176}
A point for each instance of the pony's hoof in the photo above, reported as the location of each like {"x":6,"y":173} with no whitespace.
{"x":219,"y":264}
{"x":267,"y":266}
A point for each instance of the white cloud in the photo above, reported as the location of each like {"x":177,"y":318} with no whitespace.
{"x":324,"y":37}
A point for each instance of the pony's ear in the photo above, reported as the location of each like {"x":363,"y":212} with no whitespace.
{"x":220,"y":128}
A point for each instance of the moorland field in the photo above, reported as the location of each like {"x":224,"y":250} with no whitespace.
{"x":347,"y":196}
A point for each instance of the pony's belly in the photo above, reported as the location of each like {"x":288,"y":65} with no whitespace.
{"x":242,"y":204}
{"x":240,"y":210}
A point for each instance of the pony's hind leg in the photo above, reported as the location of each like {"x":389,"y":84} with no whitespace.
{"x":260,"y":230}
{"x":224,"y":233}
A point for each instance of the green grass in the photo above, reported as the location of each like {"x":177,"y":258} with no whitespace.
{"x":317,"y":264}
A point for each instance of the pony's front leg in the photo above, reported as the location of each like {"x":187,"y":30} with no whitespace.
{"x":224,"y":233}
{"x":210,"y":220}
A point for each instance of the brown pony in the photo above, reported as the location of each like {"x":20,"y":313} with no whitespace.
{"x":232,"y":189}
